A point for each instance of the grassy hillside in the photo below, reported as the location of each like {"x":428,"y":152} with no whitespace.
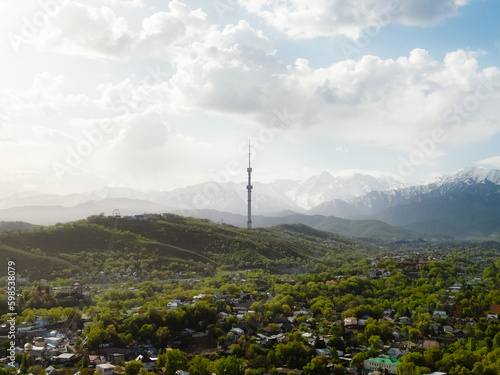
{"x":31,"y":263}
{"x":101,"y":247}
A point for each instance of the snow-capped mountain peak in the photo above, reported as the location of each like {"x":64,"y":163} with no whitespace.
{"x":474,"y":175}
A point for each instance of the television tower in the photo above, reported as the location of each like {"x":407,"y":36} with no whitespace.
{"x":249,"y":189}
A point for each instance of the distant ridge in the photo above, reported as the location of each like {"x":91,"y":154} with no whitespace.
{"x":464,"y":204}
{"x":368,"y":230}
{"x":15,"y":226}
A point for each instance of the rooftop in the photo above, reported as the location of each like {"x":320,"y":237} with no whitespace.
{"x":384,"y":359}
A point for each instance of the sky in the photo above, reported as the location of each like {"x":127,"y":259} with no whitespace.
{"x":157,"y":95}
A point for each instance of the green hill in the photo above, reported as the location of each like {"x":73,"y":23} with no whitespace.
{"x":102,"y":247}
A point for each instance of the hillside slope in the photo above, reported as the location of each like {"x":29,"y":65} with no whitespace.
{"x":102,"y":247}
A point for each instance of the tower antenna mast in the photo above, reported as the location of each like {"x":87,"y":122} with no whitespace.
{"x":249,"y":189}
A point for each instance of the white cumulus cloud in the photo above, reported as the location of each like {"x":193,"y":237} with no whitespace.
{"x":312,"y":18}
{"x":378,"y":102}
{"x":78,"y":29}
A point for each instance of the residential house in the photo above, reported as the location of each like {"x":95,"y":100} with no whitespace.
{"x":434,"y":328}
{"x":494,"y":309}
{"x":455,"y":288}
{"x":439,"y":314}
{"x":404,"y":320}
{"x":350,"y":321}
{"x":374,"y":273}
{"x":23,"y":328}
{"x":322,"y":351}
{"x":147,"y":362}
{"x":491,"y":316}
{"x":261,"y":339}
{"x":115,"y":358}
{"x":222,"y":316}
{"x":394,"y":352}
{"x":388,"y":318}
{"x":173,"y":305}
{"x":106,"y":368}
{"x":397,"y":335}
{"x":430,"y":344}
{"x":187,"y":332}
{"x":240,"y":317}
{"x":448,"y":329}
{"x":39,"y":322}
{"x":237,"y":331}
{"x":95,"y":360}
{"x":36,"y":351}
{"x":66,"y":358}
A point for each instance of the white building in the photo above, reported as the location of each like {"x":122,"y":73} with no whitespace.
{"x":106,"y":368}
{"x":383,"y":362}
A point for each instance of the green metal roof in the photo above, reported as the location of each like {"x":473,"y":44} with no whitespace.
{"x":385,"y":359}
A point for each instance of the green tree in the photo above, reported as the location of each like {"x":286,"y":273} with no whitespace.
{"x":87,"y":371}
{"x":199,"y":366}
{"x":295,"y":354}
{"x":162,"y":335}
{"x":359,"y":359}
{"x":174,"y":360}
{"x":95,"y":336}
{"x":407,"y":368}
{"x":317,"y":366}
{"x":147,"y":331}
{"x":339,"y":370}
{"x":229,"y":365}
{"x":374,"y":342}
{"x":273,"y":328}
{"x":7,"y":371}
{"x":415,"y":358}
{"x":432,"y":356}
{"x":413,"y":333}
{"x":133,"y":368}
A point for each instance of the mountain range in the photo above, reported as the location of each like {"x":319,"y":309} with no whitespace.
{"x":463,"y":204}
